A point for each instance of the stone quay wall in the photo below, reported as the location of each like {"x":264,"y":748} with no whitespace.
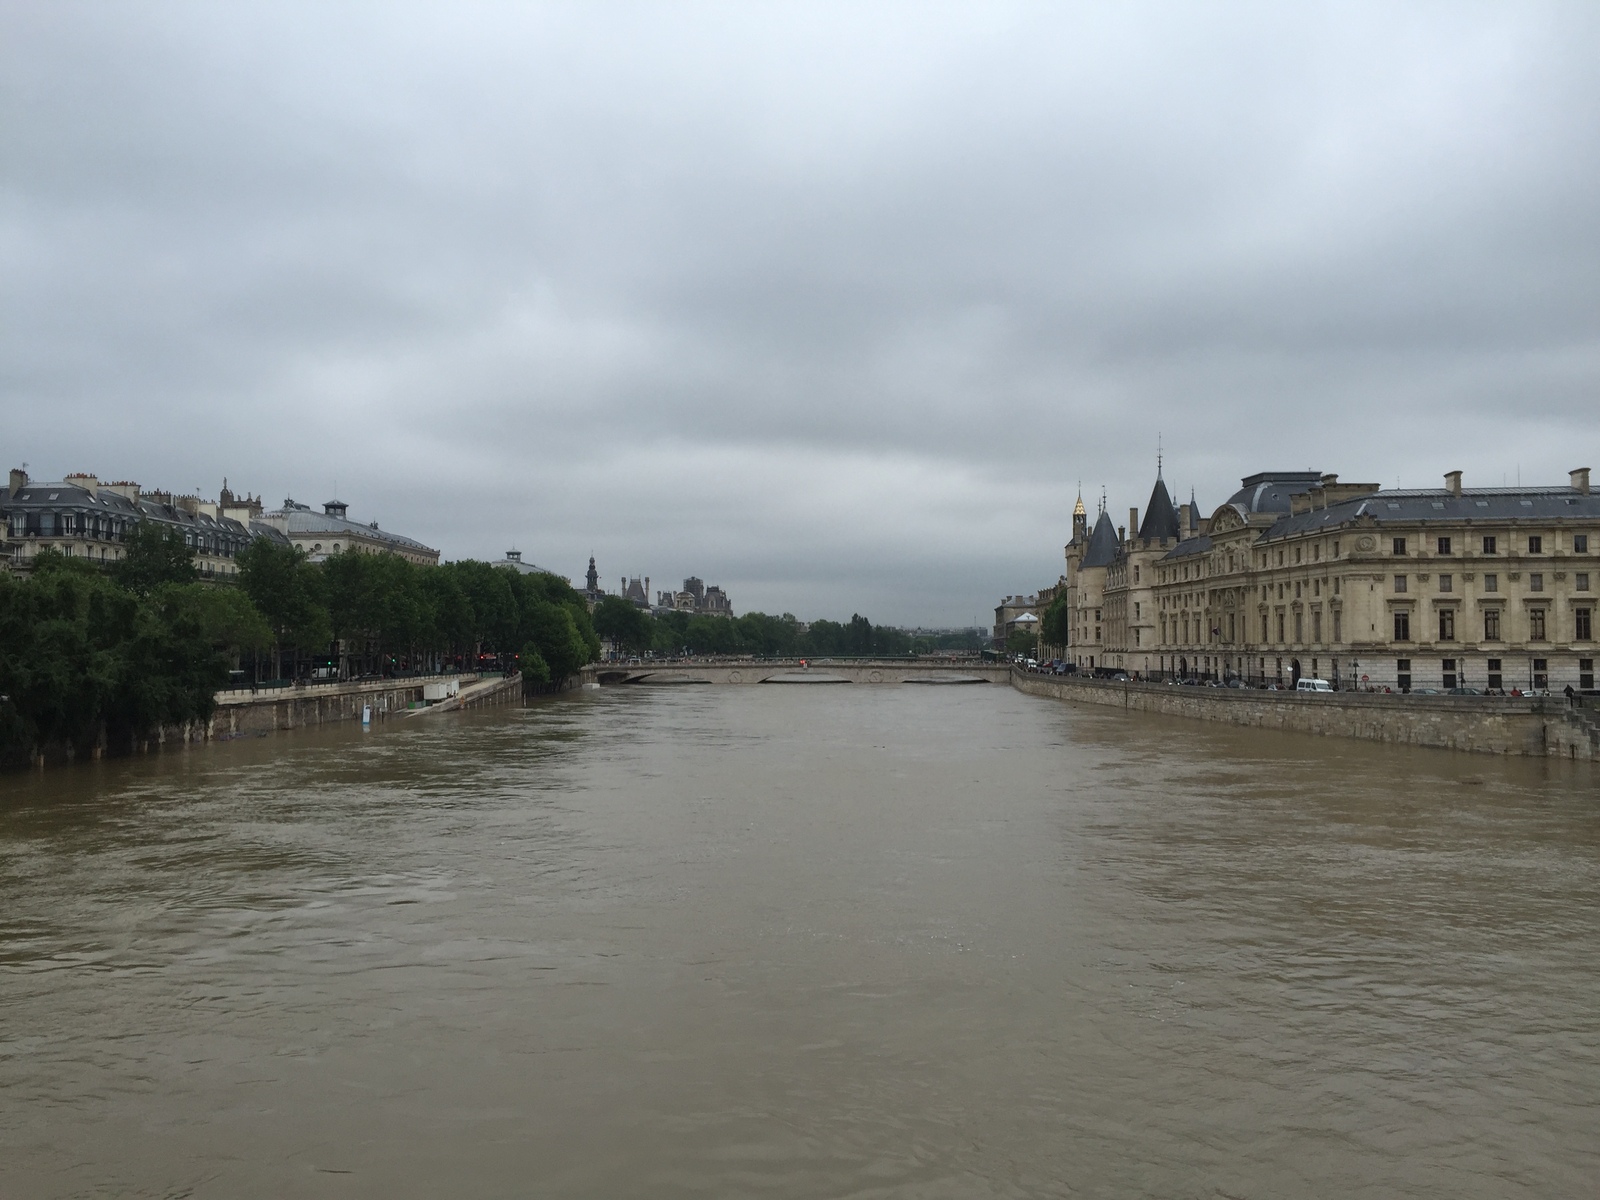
{"x":1538,"y":726}
{"x":242,"y":713}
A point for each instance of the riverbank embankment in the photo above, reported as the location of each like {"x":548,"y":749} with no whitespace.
{"x":241,"y":713}
{"x":1530,"y":726}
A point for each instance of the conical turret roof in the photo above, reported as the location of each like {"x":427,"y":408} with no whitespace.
{"x":1103,"y":544}
{"x":1160,"y":518}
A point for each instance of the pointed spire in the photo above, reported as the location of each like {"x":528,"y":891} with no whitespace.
{"x":1078,"y":509}
{"x":1158,"y":454}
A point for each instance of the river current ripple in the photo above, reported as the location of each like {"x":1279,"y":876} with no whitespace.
{"x":800,"y":942}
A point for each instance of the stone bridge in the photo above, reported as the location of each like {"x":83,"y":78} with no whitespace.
{"x":797,"y":671}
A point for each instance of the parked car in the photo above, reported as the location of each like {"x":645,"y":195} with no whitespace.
{"x":1313,"y":685}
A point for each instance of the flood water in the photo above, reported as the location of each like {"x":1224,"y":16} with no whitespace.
{"x":800,"y":942}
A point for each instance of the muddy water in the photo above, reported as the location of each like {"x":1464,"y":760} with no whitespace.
{"x":800,"y":942}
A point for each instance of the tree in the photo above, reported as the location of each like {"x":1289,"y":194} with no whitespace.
{"x":554,"y":634}
{"x":286,"y":590}
{"x":1054,"y":626}
{"x":1022,"y":640}
{"x":154,"y":554}
{"x":623,"y":623}
{"x":535,"y":671}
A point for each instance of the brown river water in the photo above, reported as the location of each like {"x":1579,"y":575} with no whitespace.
{"x":800,"y":942}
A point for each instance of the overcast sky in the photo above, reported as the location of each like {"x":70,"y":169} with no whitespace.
{"x":833,"y":306}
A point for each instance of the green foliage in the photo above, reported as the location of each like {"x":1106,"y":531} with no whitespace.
{"x":86,"y":662}
{"x":286,"y":590}
{"x":535,"y":671}
{"x":1022,"y":641}
{"x":1053,"y":627}
{"x":554,"y":634}
{"x":623,"y":623}
{"x":153,"y":554}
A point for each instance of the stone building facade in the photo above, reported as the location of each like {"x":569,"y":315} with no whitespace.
{"x":331,"y":531}
{"x":1299,"y":575}
{"x":83,"y":517}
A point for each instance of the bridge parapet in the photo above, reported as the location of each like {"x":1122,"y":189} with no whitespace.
{"x":740,"y":672}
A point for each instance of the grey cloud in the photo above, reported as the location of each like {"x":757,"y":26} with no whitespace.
{"x":829,"y":304}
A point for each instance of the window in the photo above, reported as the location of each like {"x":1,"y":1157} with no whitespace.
{"x":1316,"y":587}
{"x":1447,"y":624}
{"x":1444,"y":545}
{"x":1402,"y":674}
{"x":1541,"y":672}
{"x":1536,"y":624}
{"x":1488,"y":544}
{"x":1136,"y":607}
{"x":1535,"y":582}
{"x":1335,"y":585}
{"x":1399,"y":545}
{"x":1338,"y":632}
{"x":1447,"y":583}
{"x":1491,"y":583}
{"x":1263,"y":627}
{"x":1583,"y":624}
{"x":1491,"y":624}
{"x":1136,"y":574}
{"x":1496,"y":681}
{"x":1402,"y":627}
{"x":1336,"y":547}
{"x":1586,"y":674}
{"x":1399,"y":583}
{"x":1581,"y":581}
{"x":1316,"y":626}
{"x":1580,"y":543}
{"x":1535,"y":544}
{"x":1297,"y":591}
{"x":1281,"y":638}
{"x":1449,"y":673}
{"x":1299,"y":627}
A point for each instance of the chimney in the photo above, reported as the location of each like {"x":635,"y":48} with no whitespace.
{"x":1183,"y":521}
{"x":84,"y":480}
{"x":1452,"y":482}
{"x":1122,"y":535}
{"x":1580,"y":480}
{"x":1133,"y":522}
{"x":19,"y":480}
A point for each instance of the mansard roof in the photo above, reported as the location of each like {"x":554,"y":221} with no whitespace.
{"x":1188,"y":548}
{"x":1103,"y":544}
{"x":1160,"y":518}
{"x":1536,"y":504}
{"x":1269,"y":491}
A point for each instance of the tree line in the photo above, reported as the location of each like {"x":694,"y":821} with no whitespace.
{"x":106,"y":657}
{"x":635,"y":631}
{"x":93,"y":657}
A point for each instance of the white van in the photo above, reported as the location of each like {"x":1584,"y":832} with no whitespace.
{"x":1313,"y":685}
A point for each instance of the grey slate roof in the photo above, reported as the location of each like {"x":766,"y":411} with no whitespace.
{"x":1189,"y":548}
{"x":1103,"y":545}
{"x":1488,"y":505}
{"x":1269,"y":491}
{"x":1160,"y":518}
{"x":301,"y":520}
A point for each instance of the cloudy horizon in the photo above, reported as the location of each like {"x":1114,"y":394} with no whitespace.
{"x":832,"y":307}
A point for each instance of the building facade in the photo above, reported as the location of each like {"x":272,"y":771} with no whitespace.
{"x":82,"y":517}
{"x":1299,"y":575}
{"x":333,"y":532}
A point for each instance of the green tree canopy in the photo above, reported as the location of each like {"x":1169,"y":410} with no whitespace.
{"x":623,"y":623}
{"x":154,"y":554}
